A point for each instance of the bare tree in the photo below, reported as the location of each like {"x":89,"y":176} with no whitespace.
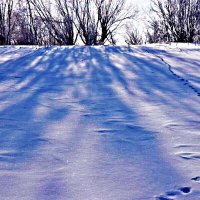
{"x":2,"y":22}
{"x":66,"y":23}
{"x":178,"y":18}
{"x":133,"y":36}
{"x":45,"y":15}
{"x":112,"y":14}
{"x":87,"y":23}
{"x":9,"y":20}
{"x":98,"y":20}
{"x":25,"y":29}
{"x":157,"y":33}
{"x":2,"y":40}
{"x":35,"y":22}
{"x":6,"y":26}
{"x":60,"y":25}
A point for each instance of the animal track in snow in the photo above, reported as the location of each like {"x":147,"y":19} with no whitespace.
{"x":107,"y":131}
{"x":170,"y":195}
{"x":170,"y":68}
{"x":163,"y":198}
{"x":189,"y":156}
{"x":196,"y":179}
{"x":185,"y":190}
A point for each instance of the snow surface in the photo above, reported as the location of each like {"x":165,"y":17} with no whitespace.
{"x":100,"y":123}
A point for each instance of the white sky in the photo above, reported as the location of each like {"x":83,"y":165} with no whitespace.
{"x":139,"y":23}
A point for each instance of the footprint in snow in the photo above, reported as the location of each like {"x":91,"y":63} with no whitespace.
{"x":185,"y":190}
{"x":190,"y":156}
{"x":163,"y":198}
{"x":196,"y":179}
{"x":170,"y":195}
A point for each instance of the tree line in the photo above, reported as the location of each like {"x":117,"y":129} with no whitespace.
{"x":61,"y":22}
{"x":174,"y":21}
{"x":95,"y":22}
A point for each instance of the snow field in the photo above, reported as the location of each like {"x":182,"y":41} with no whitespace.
{"x":100,"y":123}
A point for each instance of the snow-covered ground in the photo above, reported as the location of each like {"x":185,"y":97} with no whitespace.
{"x":100,"y":123}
